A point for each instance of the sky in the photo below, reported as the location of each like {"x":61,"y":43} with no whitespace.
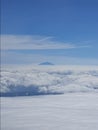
{"x":57,"y":31}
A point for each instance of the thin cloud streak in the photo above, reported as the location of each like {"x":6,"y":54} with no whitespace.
{"x":9,"y":42}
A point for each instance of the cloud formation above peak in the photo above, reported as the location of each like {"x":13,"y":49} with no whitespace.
{"x":32,"y":42}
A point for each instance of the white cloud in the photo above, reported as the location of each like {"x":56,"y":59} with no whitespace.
{"x":49,"y":80}
{"x":32,"y":42}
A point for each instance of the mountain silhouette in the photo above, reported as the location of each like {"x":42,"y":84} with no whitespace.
{"x":46,"y":63}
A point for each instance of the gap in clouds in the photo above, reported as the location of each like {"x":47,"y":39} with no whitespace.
{"x":11,"y":57}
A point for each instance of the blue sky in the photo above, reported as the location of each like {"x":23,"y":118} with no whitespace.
{"x":59,"y":31}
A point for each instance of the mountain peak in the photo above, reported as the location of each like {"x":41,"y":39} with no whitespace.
{"x":46,"y":63}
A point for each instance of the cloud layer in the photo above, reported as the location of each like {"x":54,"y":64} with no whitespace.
{"x":48,"y":80}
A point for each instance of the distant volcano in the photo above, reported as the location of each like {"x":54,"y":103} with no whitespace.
{"x":46,"y":63}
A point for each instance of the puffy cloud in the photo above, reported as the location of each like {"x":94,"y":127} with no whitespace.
{"x":48,"y":80}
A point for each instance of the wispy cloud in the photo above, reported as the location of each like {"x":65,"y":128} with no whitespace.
{"x":33,"y":42}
